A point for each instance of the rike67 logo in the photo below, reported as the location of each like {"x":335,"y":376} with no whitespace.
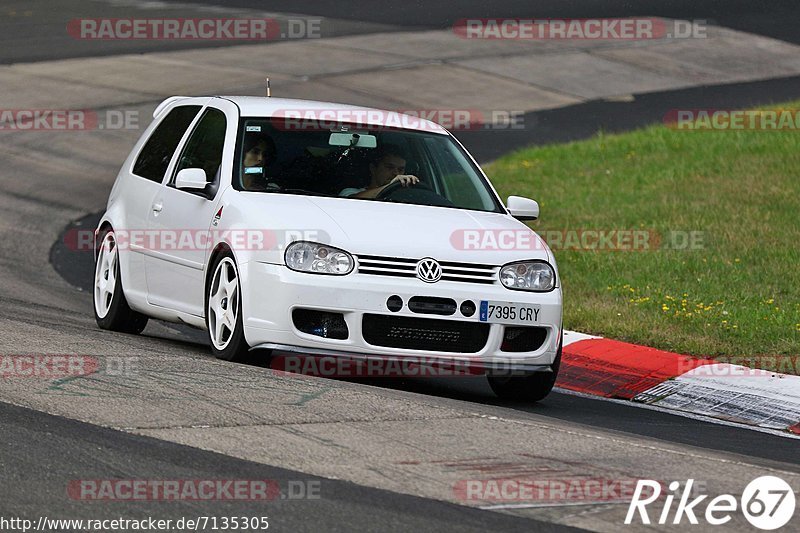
{"x":768,"y":503}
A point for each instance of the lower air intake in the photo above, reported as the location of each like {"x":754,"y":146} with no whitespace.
{"x":412,"y":333}
{"x":523,"y":338}
{"x":320,"y":323}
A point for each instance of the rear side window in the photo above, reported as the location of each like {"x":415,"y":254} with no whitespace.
{"x":154,"y":158}
{"x":204,"y":147}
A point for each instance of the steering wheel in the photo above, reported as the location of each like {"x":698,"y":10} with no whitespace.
{"x":420,"y":193}
{"x":392,"y":188}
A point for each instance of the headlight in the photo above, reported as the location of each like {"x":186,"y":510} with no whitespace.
{"x":528,"y":276}
{"x":318,"y":258}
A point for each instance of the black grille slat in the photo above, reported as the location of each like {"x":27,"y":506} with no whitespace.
{"x":391,"y":259}
{"x":456,"y":274}
{"x":385,"y":273}
{"x":485,"y":282}
{"x":466,"y":265}
{"x":413,"y":333}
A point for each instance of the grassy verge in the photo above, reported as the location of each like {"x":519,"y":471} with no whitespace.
{"x":734,"y":293}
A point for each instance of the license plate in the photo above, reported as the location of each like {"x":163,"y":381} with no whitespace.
{"x":508,"y":313}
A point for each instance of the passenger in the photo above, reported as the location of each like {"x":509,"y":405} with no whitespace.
{"x":387,"y":166}
{"x":259,"y":153}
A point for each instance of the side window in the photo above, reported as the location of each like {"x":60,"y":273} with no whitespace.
{"x":204,"y":147}
{"x":154,"y":158}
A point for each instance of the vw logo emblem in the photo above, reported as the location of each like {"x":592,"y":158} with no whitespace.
{"x":429,"y":270}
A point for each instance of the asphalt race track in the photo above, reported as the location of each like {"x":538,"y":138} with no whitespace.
{"x":31,"y":438}
{"x":35,"y":30}
{"x":776,"y":19}
{"x":384,"y":455}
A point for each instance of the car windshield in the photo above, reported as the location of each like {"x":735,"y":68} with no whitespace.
{"x":358,"y":162}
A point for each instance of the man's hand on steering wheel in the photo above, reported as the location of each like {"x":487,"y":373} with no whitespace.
{"x":401,"y":181}
{"x":404,"y":179}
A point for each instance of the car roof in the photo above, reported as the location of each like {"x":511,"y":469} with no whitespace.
{"x":260,"y":106}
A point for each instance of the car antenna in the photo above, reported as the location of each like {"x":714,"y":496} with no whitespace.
{"x":269,"y":93}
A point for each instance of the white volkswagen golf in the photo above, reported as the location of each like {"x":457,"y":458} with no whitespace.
{"x":317,"y":228}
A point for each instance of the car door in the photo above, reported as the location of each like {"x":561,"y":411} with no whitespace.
{"x":181,"y":219}
{"x":143,"y":181}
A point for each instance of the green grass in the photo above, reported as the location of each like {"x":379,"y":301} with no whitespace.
{"x":738,"y":295}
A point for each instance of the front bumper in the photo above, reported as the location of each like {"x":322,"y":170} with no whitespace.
{"x":270,"y":293}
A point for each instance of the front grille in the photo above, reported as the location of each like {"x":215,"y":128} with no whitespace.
{"x":413,"y":333}
{"x":407,"y":268}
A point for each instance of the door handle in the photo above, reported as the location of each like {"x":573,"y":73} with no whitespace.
{"x":157,"y":207}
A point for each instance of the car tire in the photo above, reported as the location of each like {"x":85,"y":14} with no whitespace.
{"x":224,"y":310}
{"x":111,"y":309}
{"x":530,"y":388}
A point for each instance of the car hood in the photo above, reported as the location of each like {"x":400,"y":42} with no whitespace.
{"x":364,"y":227}
{"x":414,"y":231}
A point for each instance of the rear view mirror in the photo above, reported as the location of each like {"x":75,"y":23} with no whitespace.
{"x":353,"y":140}
{"x":523,"y":208}
{"x":191,"y":178}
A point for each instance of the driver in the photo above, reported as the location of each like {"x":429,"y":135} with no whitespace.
{"x":387,"y":167}
{"x":259,"y":152}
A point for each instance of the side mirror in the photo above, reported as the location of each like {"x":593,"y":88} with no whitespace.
{"x":523,"y":208}
{"x":191,"y":178}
